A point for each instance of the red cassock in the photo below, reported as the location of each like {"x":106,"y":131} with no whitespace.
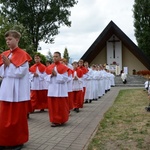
{"x":84,"y":70}
{"x":70,"y":100}
{"x":13,"y":115}
{"x":58,"y":106}
{"x":70,"y":94}
{"x":38,"y":97}
{"x":77,"y":95}
{"x":58,"y":109}
{"x":13,"y":123}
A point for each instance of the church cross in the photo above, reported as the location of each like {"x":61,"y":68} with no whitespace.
{"x":114,"y":41}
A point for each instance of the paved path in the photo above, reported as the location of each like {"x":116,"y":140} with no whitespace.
{"x":77,"y":132}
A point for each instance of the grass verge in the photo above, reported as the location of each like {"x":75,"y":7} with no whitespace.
{"x":126,"y":125}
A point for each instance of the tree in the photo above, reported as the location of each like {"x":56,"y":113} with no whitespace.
{"x":49,"y":56}
{"x":66,"y":54}
{"x":5,"y":25}
{"x":142,"y":24}
{"x":42,"y":18}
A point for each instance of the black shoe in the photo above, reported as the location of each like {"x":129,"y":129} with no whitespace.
{"x":94,"y":99}
{"x":147,"y":108}
{"x":86,"y":102}
{"x":74,"y":109}
{"x":28,"y":116}
{"x":42,"y":110}
{"x":90,"y":101}
{"x":17,"y":147}
{"x":77,"y":110}
{"x":2,"y":147}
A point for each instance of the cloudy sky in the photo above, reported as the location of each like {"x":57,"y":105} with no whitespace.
{"x":89,"y":18}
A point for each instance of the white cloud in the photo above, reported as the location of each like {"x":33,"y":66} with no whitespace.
{"x":89,"y":18}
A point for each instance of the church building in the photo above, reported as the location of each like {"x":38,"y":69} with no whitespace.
{"x":114,"y":48}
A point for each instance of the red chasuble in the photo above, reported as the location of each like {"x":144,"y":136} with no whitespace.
{"x":13,"y":115}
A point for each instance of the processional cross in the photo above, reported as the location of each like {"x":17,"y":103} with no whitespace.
{"x":113,"y":42}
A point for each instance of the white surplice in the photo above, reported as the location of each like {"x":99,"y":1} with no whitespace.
{"x":15,"y":83}
{"x":57,"y":85}
{"x":38,"y":83}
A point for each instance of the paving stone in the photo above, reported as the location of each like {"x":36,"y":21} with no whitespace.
{"x":76,"y":133}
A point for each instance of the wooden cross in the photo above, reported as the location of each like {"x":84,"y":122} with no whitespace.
{"x":114,"y":41}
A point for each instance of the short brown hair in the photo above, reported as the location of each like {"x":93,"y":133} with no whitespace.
{"x":75,"y":62}
{"x":37,"y":55}
{"x":81,"y":60}
{"x":57,"y":53}
{"x":13,"y":33}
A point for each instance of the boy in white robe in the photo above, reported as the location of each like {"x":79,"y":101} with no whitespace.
{"x":14,"y":94}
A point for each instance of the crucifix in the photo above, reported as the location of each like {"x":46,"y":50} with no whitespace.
{"x":114,"y":41}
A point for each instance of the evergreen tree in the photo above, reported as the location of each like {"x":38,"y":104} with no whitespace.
{"x":66,"y":54}
{"x":41,"y":18}
{"x":142,"y":24}
{"x":49,"y":56}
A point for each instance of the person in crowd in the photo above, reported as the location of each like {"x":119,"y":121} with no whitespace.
{"x":57,"y":77}
{"x":69,"y":84}
{"x":38,"y":85}
{"x":95,"y":82}
{"x":67,"y":63}
{"x":84,"y":70}
{"x":77,"y":87}
{"x":112,"y":79}
{"x":88,"y":97}
{"x":14,"y":94}
{"x":148,"y":91}
{"x":147,"y":83}
{"x":100,"y":82}
{"x":48,"y":63}
{"x":123,"y":77}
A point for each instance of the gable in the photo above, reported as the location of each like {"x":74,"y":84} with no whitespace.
{"x":100,"y":43}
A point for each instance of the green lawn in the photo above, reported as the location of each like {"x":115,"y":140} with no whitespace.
{"x":126,"y":125}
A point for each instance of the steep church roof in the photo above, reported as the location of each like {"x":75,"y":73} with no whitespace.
{"x":100,"y":43}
